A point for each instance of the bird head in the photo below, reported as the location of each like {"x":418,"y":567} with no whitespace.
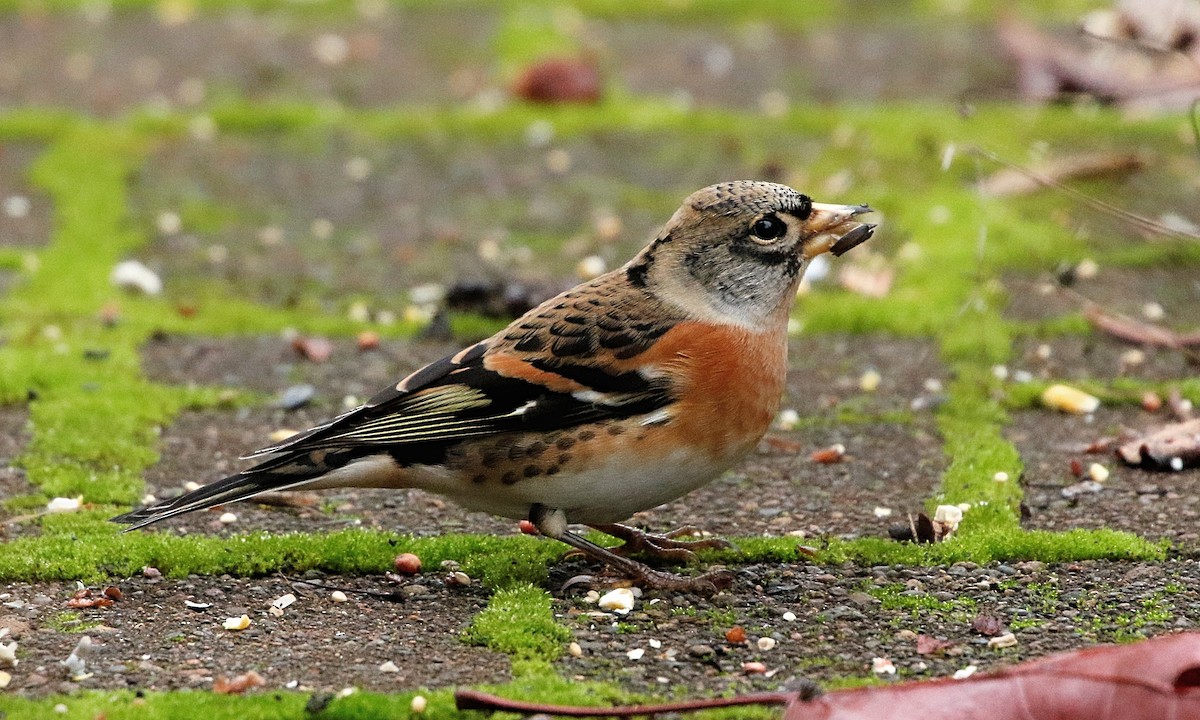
{"x":736,"y":251}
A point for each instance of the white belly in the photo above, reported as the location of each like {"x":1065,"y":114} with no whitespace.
{"x":609,"y":493}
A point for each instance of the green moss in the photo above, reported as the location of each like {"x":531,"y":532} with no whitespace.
{"x":70,"y":621}
{"x":518,"y":621}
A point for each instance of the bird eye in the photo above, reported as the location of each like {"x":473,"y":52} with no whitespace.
{"x":768,"y":228}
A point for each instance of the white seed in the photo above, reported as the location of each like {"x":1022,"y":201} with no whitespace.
{"x":766,"y":643}
{"x":1153,"y":311}
{"x":965,"y":673}
{"x":789,"y":616}
{"x":1087,"y":269}
{"x":636,"y":653}
{"x":869,"y":380}
{"x":619,"y":601}
{"x":575,"y":650}
{"x":788,"y":419}
{"x":1098,"y":472}
{"x":331,"y":49}
{"x":418,"y":704}
{"x":133,"y":275}
{"x":389,"y":667}
{"x":1069,"y":399}
{"x":16,"y":206}
{"x":882,"y":666}
{"x":236,"y":623}
{"x":1006,"y":640}
{"x":62,"y":504}
{"x":169,"y":223}
{"x":338,"y":596}
{"x":228,"y":518}
{"x":1000,"y":476}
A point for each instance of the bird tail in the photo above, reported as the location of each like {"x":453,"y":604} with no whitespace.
{"x":285,"y":473}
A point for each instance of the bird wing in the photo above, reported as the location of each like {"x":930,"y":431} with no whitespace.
{"x":569,"y":361}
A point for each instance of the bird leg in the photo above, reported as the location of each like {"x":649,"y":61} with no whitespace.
{"x":552,"y":523}
{"x":661,"y":547}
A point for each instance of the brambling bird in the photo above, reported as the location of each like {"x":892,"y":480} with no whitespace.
{"x":621,"y":394}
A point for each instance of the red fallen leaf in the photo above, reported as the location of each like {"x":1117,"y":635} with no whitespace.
{"x":112,"y":592}
{"x":238,"y":685}
{"x":559,"y":80}
{"x":736,"y":635}
{"x":989,"y":625}
{"x":316,"y":349}
{"x":1158,"y":678}
{"x":929,"y":645}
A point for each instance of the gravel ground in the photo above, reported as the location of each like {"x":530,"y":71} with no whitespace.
{"x":841,"y":619}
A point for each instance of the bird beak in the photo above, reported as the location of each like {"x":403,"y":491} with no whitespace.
{"x":834,"y":229}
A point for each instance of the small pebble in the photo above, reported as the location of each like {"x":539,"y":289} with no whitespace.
{"x":575,"y":650}
{"x":1000,"y":372}
{"x":1043,"y":352}
{"x":882,"y":512}
{"x":1153,"y":311}
{"x":882,"y":666}
{"x":191,"y":486}
{"x":1000,"y":476}
{"x":965,"y":673}
{"x":408,"y":564}
{"x":418,"y":704}
{"x":788,"y":419}
{"x":590,"y":267}
{"x":62,"y":504}
{"x":789,"y":616}
{"x":133,"y":275}
{"x":296,"y":396}
{"x":754,"y":668}
{"x":338,"y":596}
{"x":636,"y":653}
{"x":389,"y":667}
{"x":1006,"y":640}
{"x":766,"y":643}
{"x":17,"y":206}
{"x":228,"y":518}
{"x":1098,"y":472}
{"x":869,"y":380}
{"x":1087,"y":269}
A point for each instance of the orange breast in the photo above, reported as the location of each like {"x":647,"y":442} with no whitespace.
{"x":730,"y":383}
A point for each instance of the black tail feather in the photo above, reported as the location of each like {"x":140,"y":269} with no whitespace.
{"x":242,"y":486}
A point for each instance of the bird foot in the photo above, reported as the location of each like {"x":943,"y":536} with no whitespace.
{"x":661,"y":547}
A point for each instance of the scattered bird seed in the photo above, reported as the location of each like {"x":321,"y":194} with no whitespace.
{"x":1069,"y":399}
{"x":133,"y":275}
{"x":236,"y":623}
{"x":62,"y":504}
{"x":619,"y":600}
{"x":965,"y":673}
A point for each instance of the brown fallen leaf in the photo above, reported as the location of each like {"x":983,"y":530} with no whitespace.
{"x":316,"y":349}
{"x":239,"y":684}
{"x":1170,"y":447}
{"x":929,"y":645}
{"x":1129,"y":330}
{"x":559,"y":80}
{"x":1008,"y":181}
{"x":1157,"y":678}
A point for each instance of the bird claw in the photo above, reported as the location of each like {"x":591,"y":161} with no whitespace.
{"x":662,"y":547}
{"x":709,"y":583}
